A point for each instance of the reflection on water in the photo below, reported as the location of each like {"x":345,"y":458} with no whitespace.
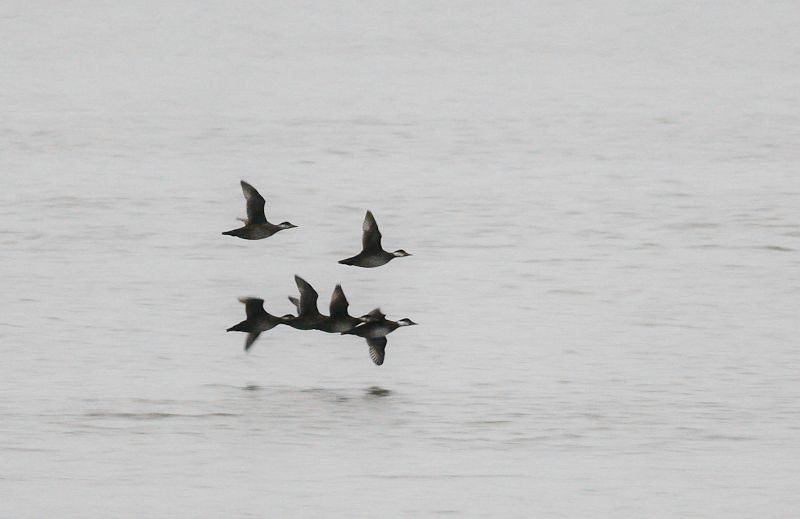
{"x":378,"y":391}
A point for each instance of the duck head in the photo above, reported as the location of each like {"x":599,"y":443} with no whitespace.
{"x":405,"y":322}
{"x":400,"y":253}
{"x":286,"y":225}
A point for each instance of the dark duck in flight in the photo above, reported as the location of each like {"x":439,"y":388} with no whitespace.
{"x":375,"y":330}
{"x":308,"y":316}
{"x":256,"y":226}
{"x":340,"y":320}
{"x":372,"y":253}
{"x":258,"y":320}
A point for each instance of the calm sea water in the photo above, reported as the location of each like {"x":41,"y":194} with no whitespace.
{"x":602,"y":204}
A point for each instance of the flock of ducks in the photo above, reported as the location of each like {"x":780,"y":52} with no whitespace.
{"x":374,"y":326}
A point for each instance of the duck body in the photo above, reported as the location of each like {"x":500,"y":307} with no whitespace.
{"x":308,"y":315}
{"x":375,"y":330}
{"x":309,"y":322}
{"x":256,"y":226}
{"x":341,"y":324}
{"x":369,"y":259}
{"x":372,"y":254}
{"x":259,"y":324}
{"x":254,"y":231}
{"x":258,"y":321}
{"x":340,"y":319}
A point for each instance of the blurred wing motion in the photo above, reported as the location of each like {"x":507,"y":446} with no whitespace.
{"x":251,"y":338}
{"x":253,"y":307}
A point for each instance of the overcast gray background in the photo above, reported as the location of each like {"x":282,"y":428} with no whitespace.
{"x":602,"y":203}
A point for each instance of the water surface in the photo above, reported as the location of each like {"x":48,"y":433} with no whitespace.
{"x":602,"y":204}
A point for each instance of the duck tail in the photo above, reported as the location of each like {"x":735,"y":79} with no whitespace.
{"x":243,"y":326}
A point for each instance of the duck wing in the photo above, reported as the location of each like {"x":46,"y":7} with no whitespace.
{"x":371,"y":237}
{"x":253,"y":306}
{"x":374,"y":316}
{"x":255,"y":204}
{"x":308,"y":297}
{"x":339,"y":303}
{"x":251,"y":338}
{"x":377,"y":349}
{"x":295,"y":302}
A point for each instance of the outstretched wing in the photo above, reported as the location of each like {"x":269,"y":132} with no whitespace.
{"x":255,"y":204}
{"x":251,"y":338}
{"x":308,"y":297}
{"x":371,"y":237}
{"x":339,"y":303}
{"x":377,"y":349}
{"x":253,"y":306}
{"x":295,"y":302}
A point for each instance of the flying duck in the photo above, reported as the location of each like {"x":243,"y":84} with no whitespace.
{"x":308,"y":316}
{"x":375,"y":332}
{"x":256,"y":226}
{"x":372,"y":253}
{"x":258,"y":320}
{"x":340,"y":320}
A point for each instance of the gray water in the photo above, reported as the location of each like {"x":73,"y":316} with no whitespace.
{"x":602,"y":204}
